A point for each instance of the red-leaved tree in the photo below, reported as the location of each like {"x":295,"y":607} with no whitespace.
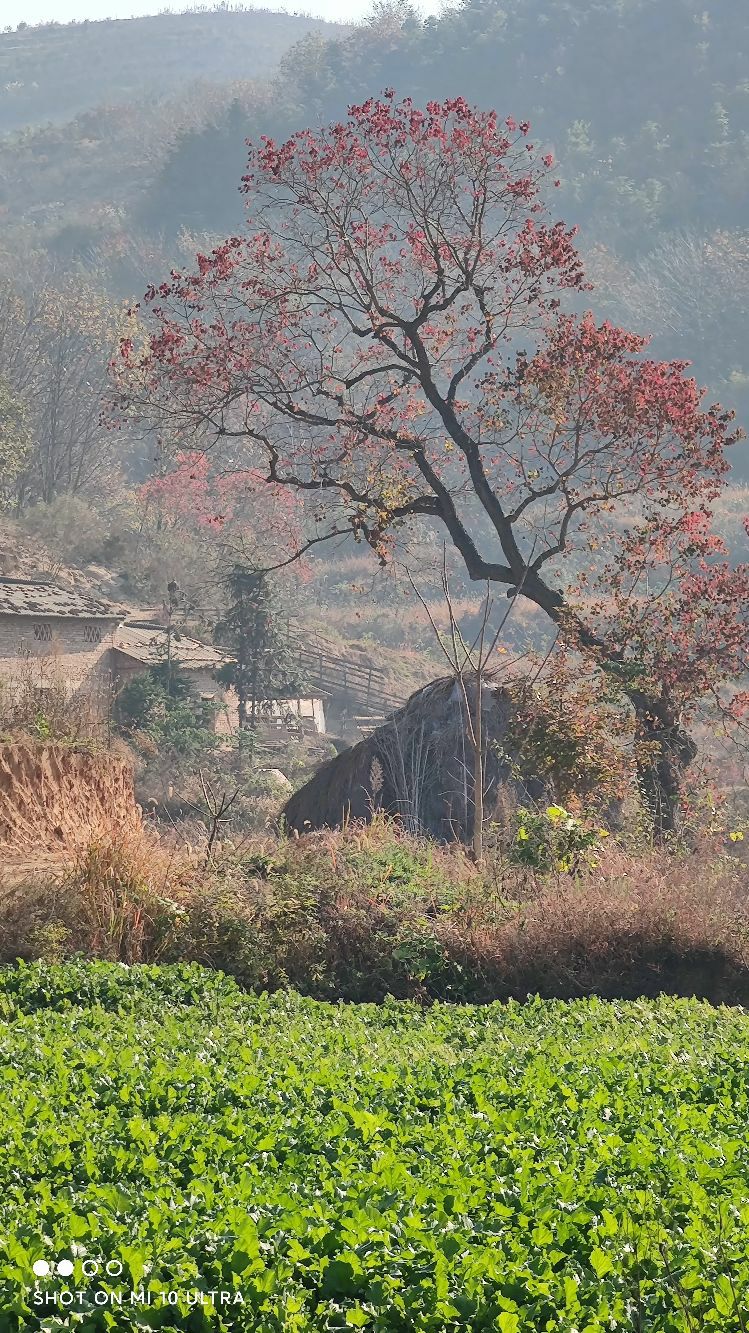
{"x":389,"y":335}
{"x":193,"y":497}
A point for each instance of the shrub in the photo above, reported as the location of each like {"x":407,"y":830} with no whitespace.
{"x":371,"y":912}
{"x":553,"y":839}
{"x":74,"y":530}
{"x":119,"y":900}
{"x":159,"y":714}
{"x":574,"y":733}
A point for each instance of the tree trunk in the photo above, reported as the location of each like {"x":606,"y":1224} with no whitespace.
{"x":254,"y":671}
{"x":241,"y":703}
{"x":661,"y":770}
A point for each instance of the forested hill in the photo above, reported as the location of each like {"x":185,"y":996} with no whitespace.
{"x":645,"y":102}
{"x":53,"y":72}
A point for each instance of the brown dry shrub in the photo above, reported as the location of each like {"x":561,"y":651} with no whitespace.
{"x":635,"y":926}
{"x":372,"y":912}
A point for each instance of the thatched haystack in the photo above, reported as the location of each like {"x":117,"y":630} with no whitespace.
{"x":419,"y":766}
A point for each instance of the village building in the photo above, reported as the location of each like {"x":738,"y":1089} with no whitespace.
{"x":308,"y":713}
{"x":139,"y":645}
{"x":51,"y":635}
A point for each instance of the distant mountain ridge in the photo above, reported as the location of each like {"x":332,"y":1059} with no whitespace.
{"x":55,"y":72}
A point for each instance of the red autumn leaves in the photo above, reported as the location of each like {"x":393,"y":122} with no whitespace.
{"x":388,"y":337}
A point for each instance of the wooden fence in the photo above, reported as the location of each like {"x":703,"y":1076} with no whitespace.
{"x":365,"y":685}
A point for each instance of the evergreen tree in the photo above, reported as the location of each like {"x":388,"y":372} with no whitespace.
{"x":255,"y":632}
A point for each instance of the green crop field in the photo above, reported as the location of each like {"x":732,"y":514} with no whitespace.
{"x":177,"y":1155}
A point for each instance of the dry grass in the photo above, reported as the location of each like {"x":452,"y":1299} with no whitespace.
{"x":633,"y":926}
{"x":371,"y":911}
{"x":120,"y":899}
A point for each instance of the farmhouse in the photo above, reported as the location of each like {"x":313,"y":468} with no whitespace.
{"x":140,"y":644}
{"x":59,"y":633}
{"x":51,"y":636}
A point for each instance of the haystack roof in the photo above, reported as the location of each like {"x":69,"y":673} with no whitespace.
{"x":145,"y":641}
{"x":41,"y":597}
{"x":418,"y":766}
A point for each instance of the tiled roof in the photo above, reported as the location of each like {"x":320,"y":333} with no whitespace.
{"x":37,"y":597}
{"x":145,"y":641}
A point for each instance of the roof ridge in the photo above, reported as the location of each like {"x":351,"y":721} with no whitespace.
{"x":44,"y":579}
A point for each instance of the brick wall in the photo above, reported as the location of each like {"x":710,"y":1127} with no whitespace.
{"x":59,"y":647}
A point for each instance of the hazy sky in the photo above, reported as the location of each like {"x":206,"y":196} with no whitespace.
{"x":42,"y":11}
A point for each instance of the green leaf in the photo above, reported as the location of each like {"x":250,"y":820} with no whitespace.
{"x":600,"y":1262}
{"x":507,"y":1322}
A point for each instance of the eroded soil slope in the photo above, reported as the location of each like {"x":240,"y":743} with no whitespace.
{"x":54,"y":799}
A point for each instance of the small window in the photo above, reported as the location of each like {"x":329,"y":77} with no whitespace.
{"x":92,"y":634}
{"x":43,"y":633}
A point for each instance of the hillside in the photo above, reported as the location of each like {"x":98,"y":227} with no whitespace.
{"x":644,"y":102}
{"x":56,"y":71}
{"x":91,"y":113}
{"x":645,"y":105}
{"x":133,"y":135}
{"x":68,"y":189}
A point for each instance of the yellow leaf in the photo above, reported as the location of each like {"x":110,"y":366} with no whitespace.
{"x":555,"y":813}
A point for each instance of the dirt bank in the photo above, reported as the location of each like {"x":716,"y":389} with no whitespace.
{"x":54,"y":799}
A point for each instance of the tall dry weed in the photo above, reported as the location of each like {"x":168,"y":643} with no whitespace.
{"x":119,"y":899}
{"x":370,"y":912}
